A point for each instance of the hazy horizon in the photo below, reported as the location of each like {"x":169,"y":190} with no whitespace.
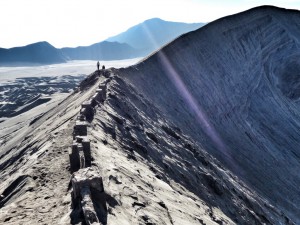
{"x":82,"y":23}
{"x":73,"y":68}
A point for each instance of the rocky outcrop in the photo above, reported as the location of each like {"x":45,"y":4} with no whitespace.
{"x":87,"y":185}
{"x":80,"y":128}
{"x":80,"y":155}
{"x":88,"y":195}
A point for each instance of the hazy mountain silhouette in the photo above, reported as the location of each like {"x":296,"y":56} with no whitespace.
{"x":101,"y":51}
{"x":137,"y":41}
{"x":153,"y":34}
{"x":37,"y":53}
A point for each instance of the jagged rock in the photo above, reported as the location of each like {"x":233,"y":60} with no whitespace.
{"x":94,"y":101}
{"x":81,"y":116}
{"x":101,"y":92}
{"x":88,"y":209}
{"x":86,"y":104}
{"x":80,"y":156}
{"x":80,"y":128}
{"x":89,"y":111}
{"x":87,"y":177}
{"x":86,"y":147}
{"x":74,"y":158}
{"x":83,"y":111}
{"x":102,"y":86}
{"x":89,"y":81}
{"x":106,"y":73}
{"x":80,"y":138}
{"x":87,"y":189}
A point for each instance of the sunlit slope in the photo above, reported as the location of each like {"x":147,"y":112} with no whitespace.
{"x":233,"y":86}
{"x":34,"y":162}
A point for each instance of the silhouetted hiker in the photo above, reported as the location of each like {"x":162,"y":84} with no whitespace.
{"x":98,"y":65}
{"x":103,"y":67}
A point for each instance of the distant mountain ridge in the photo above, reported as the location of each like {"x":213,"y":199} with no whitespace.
{"x":103,"y":50}
{"x":36,"y":53}
{"x":152,"y":34}
{"x":137,"y":41}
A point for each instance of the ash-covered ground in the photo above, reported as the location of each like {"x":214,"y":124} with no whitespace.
{"x":204,"y":131}
{"x":23,"y":94}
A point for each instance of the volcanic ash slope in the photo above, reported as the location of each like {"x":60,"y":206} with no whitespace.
{"x":205,"y":131}
{"x":233,"y":88}
{"x":34,"y":162}
{"x":155,"y":173}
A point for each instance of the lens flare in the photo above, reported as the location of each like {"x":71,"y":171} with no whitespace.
{"x":201,"y":117}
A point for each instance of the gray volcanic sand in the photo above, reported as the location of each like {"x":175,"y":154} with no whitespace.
{"x":205,"y":131}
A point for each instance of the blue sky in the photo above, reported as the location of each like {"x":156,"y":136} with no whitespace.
{"x":72,"y":23}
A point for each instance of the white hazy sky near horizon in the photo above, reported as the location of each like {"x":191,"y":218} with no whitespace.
{"x":70,"y":23}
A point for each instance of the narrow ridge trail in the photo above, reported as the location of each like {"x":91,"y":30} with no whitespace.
{"x":35,"y":167}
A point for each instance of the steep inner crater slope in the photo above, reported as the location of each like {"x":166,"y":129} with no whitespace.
{"x":233,"y":87}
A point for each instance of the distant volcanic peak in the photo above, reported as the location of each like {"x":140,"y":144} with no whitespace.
{"x":40,"y":43}
{"x":32,"y":54}
{"x":153,"y":34}
{"x":45,"y":43}
{"x":154,"y":20}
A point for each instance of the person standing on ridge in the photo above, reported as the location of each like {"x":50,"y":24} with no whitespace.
{"x":98,"y":65}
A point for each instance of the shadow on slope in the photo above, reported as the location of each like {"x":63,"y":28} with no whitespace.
{"x":232,"y":86}
{"x":147,"y":135}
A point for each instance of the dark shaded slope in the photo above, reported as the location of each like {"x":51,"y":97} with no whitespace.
{"x":233,"y":87}
{"x":37,"y":53}
{"x":155,"y":168}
